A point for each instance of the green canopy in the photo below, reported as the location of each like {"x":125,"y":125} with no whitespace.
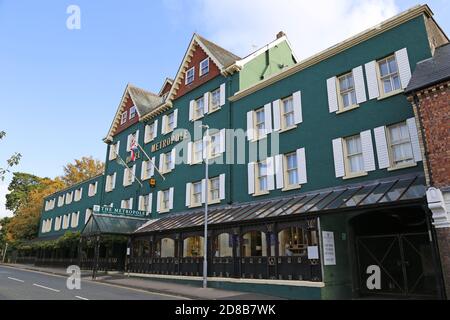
{"x":118,"y":225}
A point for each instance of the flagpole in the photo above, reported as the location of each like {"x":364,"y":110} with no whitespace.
{"x":125,"y":165}
{"x":157,"y":170}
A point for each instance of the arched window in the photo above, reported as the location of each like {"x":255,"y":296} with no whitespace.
{"x":223,"y":246}
{"x":193,"y":247}
{"x":165,"y":248}
{"x":294,"y":241}
{"x":254,"y":244}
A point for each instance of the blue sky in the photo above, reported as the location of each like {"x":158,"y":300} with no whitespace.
{"x":60,"y":88}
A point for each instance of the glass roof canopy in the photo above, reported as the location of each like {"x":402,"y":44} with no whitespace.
{"x":410,"y":187}
{"x":112,"y":225}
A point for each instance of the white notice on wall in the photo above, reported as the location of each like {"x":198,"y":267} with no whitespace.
{"x":313,"y":252}
{"x":329,"y":254}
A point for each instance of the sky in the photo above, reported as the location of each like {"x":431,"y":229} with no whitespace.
{"x":60,"y":87}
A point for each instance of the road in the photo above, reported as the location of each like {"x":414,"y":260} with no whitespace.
{"x":19,"y":284}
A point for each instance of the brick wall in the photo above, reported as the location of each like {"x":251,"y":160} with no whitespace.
{"x":434,"y":111}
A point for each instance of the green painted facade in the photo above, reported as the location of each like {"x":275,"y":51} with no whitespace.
{"x":315,"y":134}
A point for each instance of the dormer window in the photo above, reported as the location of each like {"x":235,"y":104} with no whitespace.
{"x":190,"y":75}
{"x":123,"y":119}
{"x":132,"y":112}
{"x":204,"y":67}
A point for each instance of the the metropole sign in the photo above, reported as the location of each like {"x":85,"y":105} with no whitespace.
{"x":119,"y":212}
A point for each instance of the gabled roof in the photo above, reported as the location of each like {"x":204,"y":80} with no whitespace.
{"x":222,"y":59}
{"x":167,"y":81}
{"x":143,"y":100}
{"x":431,"y":71}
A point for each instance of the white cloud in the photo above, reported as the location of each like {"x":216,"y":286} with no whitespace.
{"x":311,"y":26}
{"x":3,"y":192}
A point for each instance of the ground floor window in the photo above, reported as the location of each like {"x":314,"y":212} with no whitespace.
{"x":141,"y":248}
{"x":294,"y":241}
{"x":223,"y":245}
{"x":165,"y":248}
{"x":254,"y":244}
{"x":193,"y":247}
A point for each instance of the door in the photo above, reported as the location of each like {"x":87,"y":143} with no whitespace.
{"x":404,"y":262}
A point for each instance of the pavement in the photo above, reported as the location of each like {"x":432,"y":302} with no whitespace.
{"x":156,"y":289}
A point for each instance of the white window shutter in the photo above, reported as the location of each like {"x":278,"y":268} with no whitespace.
{"x":155,"y":129}
{"x":173,"y":154}
{"x":276,"y":115}
{"x":222,"y":94}
{"x":338,"y":155}
{"x":222,"y":140}
{"x":141,"y":203}
{"x":108,"y":179}
{"x":161,"y":162}
{"x":332,"y":95}
{"x":367,"y":149}
{"x":175,"y":118}
{"x":164,"y":124}
{"x":206,"y":103}
{"x":122,"y":204}
{"x":118,"y":147}
{"x":152,"y":169}
{"x":189,"y":152}
{"x":203,"y":190}
{"x":143,"y":169}
{"x":188,"y":194}
{"x":146,"y":133}
{"x":124,"y":183}
{"x":131,"y":203}
{"x":191,"y":110}
{"x":129,"y":143}
{"x":279,"y":173}
{"x":301,"y":166}
{"x":268,"y":118}
{"x":403,"y":66}
{"x":137,"y":136}
{"x":360,"y":88}
{"x":150,"y":202}
{"x":171,"y":190}
{"x":298,"y":113}
{"x":372,"y":79}
{"x":270,"y":173}
{"x":134,"y":173}
{"x":114,"y":180}
{"x":158,"y":201}
{"x":382,"y":148}
{"x":205,"y":147}
{"x":411,"y":122}
{"x":222,"y":186}
{"x":251,"y":177}
{"x":95,"y":187}
{"x":250,"y":128}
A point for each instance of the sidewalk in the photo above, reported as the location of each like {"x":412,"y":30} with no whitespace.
{"x":183,"y":290}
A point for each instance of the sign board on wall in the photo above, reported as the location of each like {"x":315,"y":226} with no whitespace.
{"x":119,"y":212}
{"x":329,"y":253}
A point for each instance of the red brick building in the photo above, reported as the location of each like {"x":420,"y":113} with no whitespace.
{"x":429,"y":92}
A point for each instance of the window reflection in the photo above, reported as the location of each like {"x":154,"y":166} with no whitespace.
{"x":193,"y":247}
{"x":165,"y":248}
{"x":254,"y":244}
{"x":223,"y":246}
{"x":294,"y":241}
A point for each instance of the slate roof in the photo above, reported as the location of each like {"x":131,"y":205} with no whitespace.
{"x":431,"y":71}
{"x":144,"y":101}
{"x":225,"y":57}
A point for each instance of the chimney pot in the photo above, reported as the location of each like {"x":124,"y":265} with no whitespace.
{"x":280,"y":34}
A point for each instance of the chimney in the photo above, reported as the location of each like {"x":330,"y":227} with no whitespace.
{"x":280,"y":34}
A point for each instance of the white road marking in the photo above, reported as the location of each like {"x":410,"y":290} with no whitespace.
{"x":18,"y":280}
{"x":43,"y":287}
{"x":81,"y":298}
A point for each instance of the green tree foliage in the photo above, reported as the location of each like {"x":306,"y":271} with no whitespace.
{"x":19,"y":188}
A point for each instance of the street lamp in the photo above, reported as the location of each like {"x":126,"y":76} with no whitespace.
{"x":205,"y":237}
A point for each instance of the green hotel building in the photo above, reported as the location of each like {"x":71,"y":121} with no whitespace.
{"x":315,"y":179}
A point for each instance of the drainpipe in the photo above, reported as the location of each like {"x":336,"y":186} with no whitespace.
{"x":229,"y":193}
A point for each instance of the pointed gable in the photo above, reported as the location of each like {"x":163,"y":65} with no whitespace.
{"x":135,"y":104}
{"x":199,"y":50}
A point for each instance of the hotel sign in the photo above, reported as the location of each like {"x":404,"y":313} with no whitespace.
{"x":176,"y":137}
{"x":119,"y":212}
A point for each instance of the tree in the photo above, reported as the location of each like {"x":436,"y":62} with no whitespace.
{"x":3,"y":227}
{"x":83,"y":169}
{"x":12,"y":161}
{"x":25,"y":223}
{"x":21,"y":184}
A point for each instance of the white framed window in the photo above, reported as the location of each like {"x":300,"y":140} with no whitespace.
{"x":114,"y":150}
{"x":260,"y":123}
{"x":261,"y":177}
{"x":69,"y":197}
{"x":132,"y":139}
{"x":197,"y":151}
{"x":75,"y":219}
{"x":388,"y":76}
{"x":215,"y":100}
{"x":151,"y":131}
{"x":214,"y":190}
{"x":353,"y":155}
{"x":167,"y":166}
{"x":214,"y":147}
{"x":287,"y":113}
{"x":400,"y":146}
{"x":61,"y":200}
{"x":145,"y":203}
{"x":199,"y":108}
{"x":123,"y":117}
{"x":190,"y":75}
{"x":204,"y":67}
{"x":57,"y":223}
{"x":78,"y":194}
{"x":133,"y":112}
{"x":165,"y":200}
{"x":87,"y":215}
{"x":196,"y":193}
{"x":169,"y":122}
{"x":291,"y":169}
{"x":65,"y":224}
{"x":129,"y":175}
{"x":347,"y":91}
{"x":110,"y":182}
{"x":127,"y":204}
{"x":92,"y":189}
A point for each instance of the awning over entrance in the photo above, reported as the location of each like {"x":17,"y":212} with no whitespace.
{"x":373,"y":193}
{"x":112,"y":225}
